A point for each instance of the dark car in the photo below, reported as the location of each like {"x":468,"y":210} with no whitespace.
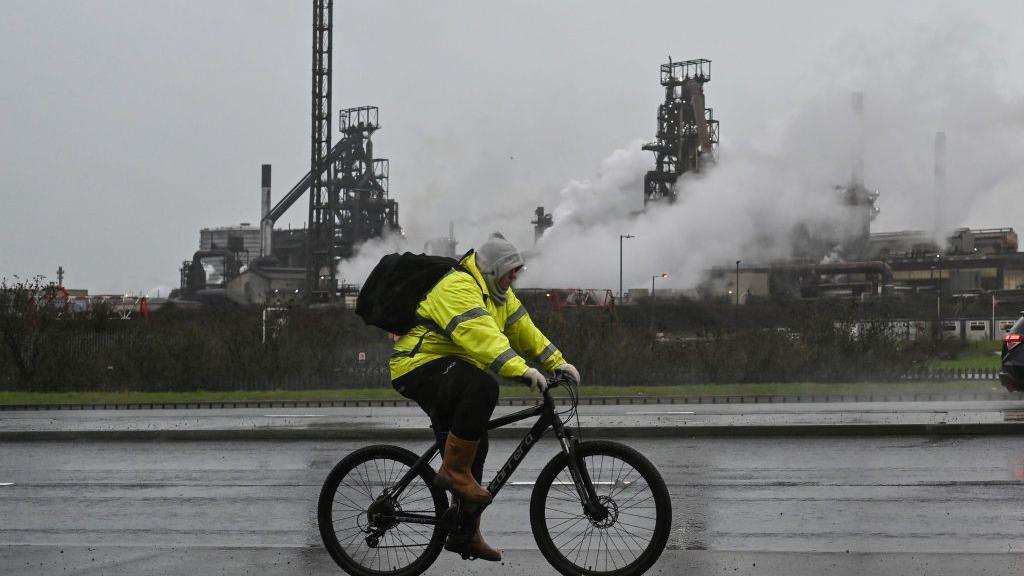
{"x":1012,"y":373}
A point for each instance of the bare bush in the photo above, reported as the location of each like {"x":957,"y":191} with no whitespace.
{"x":657,"y":343}
{"x":28,"y":312}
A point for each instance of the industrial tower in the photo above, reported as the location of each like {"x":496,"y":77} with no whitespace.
{"x":361,"y":182}
{"x":348,"y":187}
{"x":320,"y":268}
{"x":687,"y":131}
{"x":348,"y":193}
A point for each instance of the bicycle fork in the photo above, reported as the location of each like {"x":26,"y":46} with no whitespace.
{"x":581,"y":478}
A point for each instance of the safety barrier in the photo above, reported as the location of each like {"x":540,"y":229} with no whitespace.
{"x":528,"y":401}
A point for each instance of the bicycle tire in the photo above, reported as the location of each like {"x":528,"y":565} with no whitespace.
{"x":390,"y":462}
{"x":610,"y":488}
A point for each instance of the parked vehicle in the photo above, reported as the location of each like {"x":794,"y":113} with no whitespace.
{"x":1012,"y":372}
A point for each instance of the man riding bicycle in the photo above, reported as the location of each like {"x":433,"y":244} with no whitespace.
{"x":472,"y":323}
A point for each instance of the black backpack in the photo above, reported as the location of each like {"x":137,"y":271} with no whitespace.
{"x":397,"y":285}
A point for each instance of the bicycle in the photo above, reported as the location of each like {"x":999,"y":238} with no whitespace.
{"x":379,"y":513}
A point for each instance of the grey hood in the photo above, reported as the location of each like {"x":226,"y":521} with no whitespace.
{"x":495,"y":258}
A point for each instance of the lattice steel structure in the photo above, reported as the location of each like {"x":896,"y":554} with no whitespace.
{"x":542,"y":223}
{"x":361,"y":182}
{"x":687,"y":134}
{"x":320,"y":268}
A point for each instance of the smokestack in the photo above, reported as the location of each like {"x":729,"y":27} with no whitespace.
{"x":940,"y":186}
{"x":857,"y":178}
{"x":266,"y":227}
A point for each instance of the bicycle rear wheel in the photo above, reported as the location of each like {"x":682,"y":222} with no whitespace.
{"x":625,"y":543}
{"x":356,"y":516}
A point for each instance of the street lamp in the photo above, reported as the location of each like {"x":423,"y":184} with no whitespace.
{"x":938,"y":299}
{"x":662,"y":275}
{"x":738,"y":282}
{"x":621,"y":237}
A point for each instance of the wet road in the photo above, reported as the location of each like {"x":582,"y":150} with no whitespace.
{"x":389,"y":419}
{"x":899,"y":505}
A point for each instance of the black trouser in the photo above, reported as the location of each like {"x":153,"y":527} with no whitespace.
{"x":458,"y":397}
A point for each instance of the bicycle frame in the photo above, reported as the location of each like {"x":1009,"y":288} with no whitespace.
{"x":547,"y":418}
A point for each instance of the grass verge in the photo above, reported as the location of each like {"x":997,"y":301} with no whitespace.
{"x":984,"y":355}
{"x":765,"y":389}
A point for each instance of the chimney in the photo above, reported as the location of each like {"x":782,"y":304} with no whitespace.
{"x":452,"y":242}
{"x":857,"y":178}
{"x":266,"y":227}
{"x":940,"y":187}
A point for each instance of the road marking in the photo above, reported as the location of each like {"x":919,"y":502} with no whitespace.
{"x":6,"y":483}
{"x":293,"y":415}
{"x":655,"y":413}
{"x":570,"y":483}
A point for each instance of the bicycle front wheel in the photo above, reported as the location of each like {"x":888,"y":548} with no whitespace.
{"x":359,"y":514}
{"x":628,"y":540}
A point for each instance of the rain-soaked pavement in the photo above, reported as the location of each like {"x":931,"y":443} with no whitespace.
{"x":368,"y":421}
{"x":797,"y":505}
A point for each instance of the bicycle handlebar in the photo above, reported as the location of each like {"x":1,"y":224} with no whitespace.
{"x":556,"y":381}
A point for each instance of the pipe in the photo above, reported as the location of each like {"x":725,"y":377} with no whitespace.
{"x":266,"y":225}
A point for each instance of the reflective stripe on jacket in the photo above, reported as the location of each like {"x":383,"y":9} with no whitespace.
{"x":463,"y":321}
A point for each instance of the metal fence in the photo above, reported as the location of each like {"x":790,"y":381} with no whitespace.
{"x":943,"y":375}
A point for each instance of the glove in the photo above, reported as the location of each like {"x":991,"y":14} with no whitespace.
{"x":570,"y":371}
{"x":535,"y":380}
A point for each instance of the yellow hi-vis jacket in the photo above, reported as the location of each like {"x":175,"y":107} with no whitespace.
{"x":465,"y":322}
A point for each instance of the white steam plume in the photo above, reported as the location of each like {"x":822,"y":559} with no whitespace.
{"x":747,"y":206}
{"x":767,"y":182}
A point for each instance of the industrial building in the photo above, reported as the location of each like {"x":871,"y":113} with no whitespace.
{"x":348,"y":203}
{"x":687,"y":134}
{"x":973,"y":262}
{"x":845,"y":261}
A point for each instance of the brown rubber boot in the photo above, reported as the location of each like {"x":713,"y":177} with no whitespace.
{"x":455,"y":474}
{"x":473,"y":546}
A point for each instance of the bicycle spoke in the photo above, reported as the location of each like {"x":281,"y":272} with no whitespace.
{"x":633,"y":526}
{"x":563,"y":522}
{"x":562,"y":489}
{"x":396,"y":544}
{"x":376,"y":466}
{"x":625,"y":544}
{"x":364,"y":478}
{"x":398,"y":534}
{"x":639,"y":544}
{"x":353,"y":502}
{"x":570,"y":512}
{"x":419,"y":489}
{"x":582,"y":538}
{"x":390,"y":469}
{"x":405,"y":503}
{"x":566,"y":529}
{"x":611,"y":544}
{"x":357,"y":514}
{"x":624,"y":562}
{"x":646,"y":498}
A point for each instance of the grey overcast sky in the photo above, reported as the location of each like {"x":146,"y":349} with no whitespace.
{"x":126,"y":126}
